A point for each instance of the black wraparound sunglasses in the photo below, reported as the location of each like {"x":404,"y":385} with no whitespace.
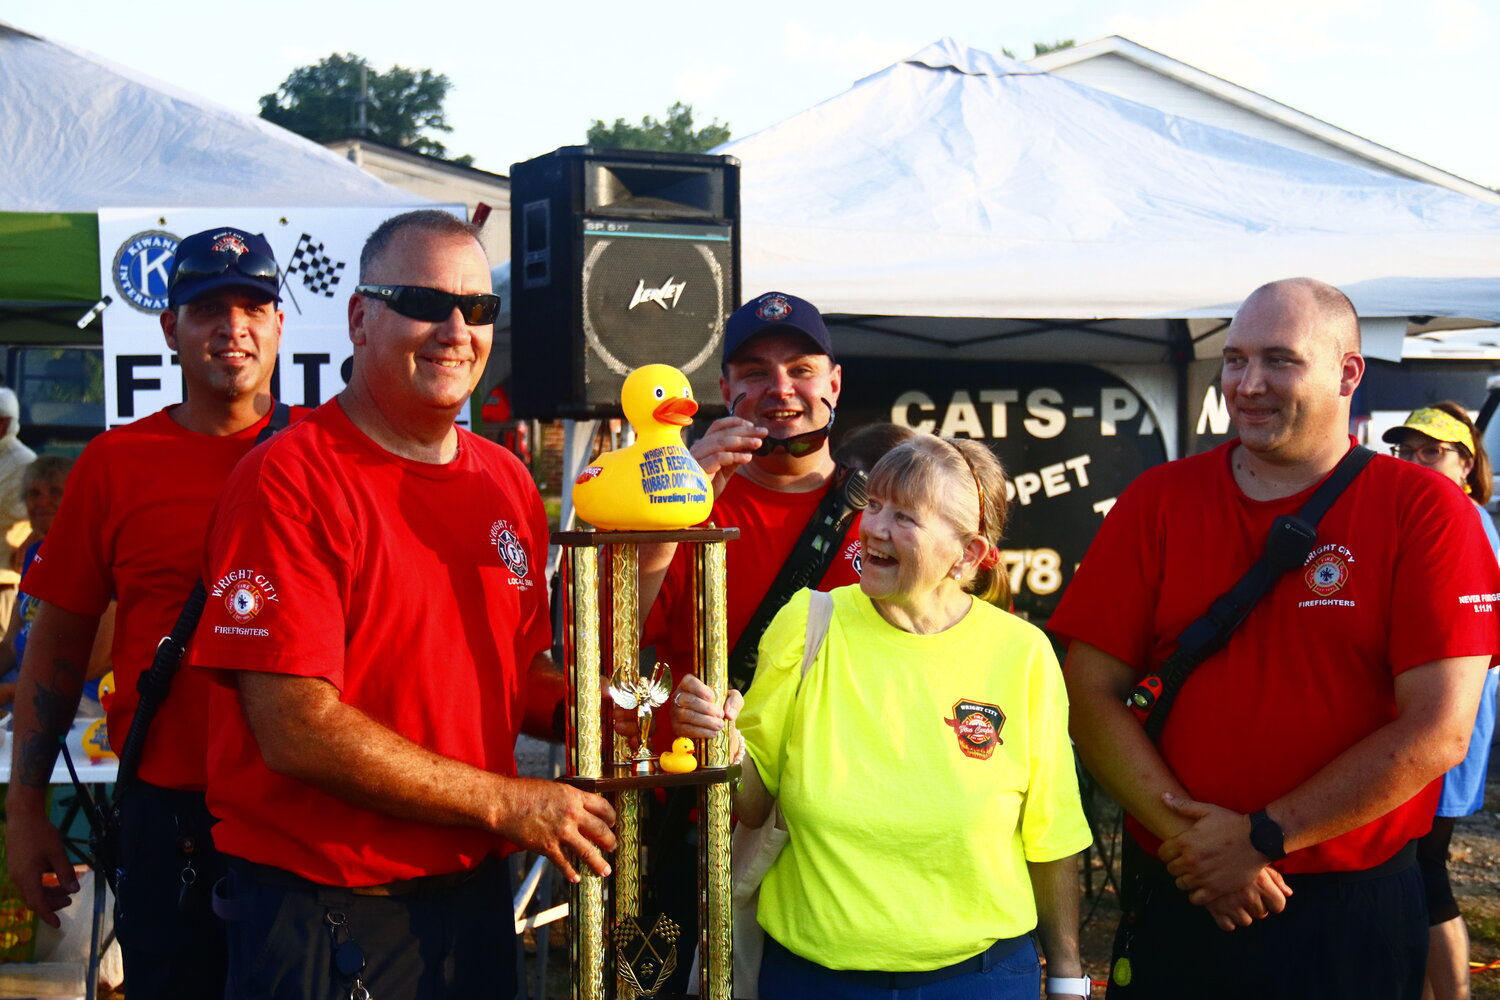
{"x":798,"y":444}
{"x":433,"y":304}
{"x":213,"y":263}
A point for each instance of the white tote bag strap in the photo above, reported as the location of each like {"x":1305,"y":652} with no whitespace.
{"x":819,"y":614}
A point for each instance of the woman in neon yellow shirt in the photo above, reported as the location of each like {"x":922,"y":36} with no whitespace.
{"x":922,"y":764}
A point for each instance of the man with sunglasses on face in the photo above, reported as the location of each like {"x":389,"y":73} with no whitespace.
{"x":380,"y":640}
{"x":772,"y":471}
{"x":131,"y":526}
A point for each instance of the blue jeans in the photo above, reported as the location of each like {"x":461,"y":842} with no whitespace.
{"x":1013,"y":975}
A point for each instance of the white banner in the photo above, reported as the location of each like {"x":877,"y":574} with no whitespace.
{"x":318,"y":251}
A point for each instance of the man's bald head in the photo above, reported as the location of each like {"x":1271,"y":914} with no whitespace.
{"x":1291,"y":365}
{"x":1327,"y":309}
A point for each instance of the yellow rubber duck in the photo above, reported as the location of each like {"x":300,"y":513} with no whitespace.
{"x":655,"y":483}
{"x":680,"y":759}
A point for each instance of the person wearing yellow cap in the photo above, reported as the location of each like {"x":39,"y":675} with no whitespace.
{"x":1443,"y":438}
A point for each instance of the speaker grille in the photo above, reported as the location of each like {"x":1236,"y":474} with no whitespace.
{"x":654,"y":293}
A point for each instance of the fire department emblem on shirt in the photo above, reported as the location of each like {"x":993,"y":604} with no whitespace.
{"x":977,"y":726}
{"x":244,"y":601}
{"x":512,"y":552}
{"x":855,"y":555}
{"x":1326,"y":574}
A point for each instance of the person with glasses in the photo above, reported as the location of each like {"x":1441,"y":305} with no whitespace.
{"x":377,"y":623}
{"x":1443,"y":438}
{"x":771,"y":466}
{"x":921,"y":762}
{"x":1272,"y":825}
{"x":131,"y":526}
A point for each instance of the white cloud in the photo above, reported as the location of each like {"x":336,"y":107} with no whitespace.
{"x":1457,"y":25}
{"x":700,"y":84}
{"x":857,"y":55}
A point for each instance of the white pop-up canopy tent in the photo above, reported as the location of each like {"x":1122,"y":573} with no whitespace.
{"x":81,"y":133}
{"x":969,"y":206}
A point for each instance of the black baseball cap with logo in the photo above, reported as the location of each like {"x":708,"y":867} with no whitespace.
{"x":221,"y":258}
{"x":775,"y":311}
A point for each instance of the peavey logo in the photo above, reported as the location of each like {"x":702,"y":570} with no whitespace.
{"x":977,"y":726}
{"x":667,"y":296}
{"x":245,"y":593}
{"x":140,"y":269}
{"x":1328,"y":569}
{"x":503,"y":537}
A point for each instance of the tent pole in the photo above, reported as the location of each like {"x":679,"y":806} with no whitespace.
{"x":1180,"y":344}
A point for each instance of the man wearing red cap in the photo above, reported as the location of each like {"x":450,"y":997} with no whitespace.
{"x":131,"y":526}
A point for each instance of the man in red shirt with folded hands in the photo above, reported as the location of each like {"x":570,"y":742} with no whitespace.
{"x":1272,"y":828}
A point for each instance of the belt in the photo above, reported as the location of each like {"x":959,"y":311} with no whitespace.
{"x":419,"y":887}
{"x":909,"y":980}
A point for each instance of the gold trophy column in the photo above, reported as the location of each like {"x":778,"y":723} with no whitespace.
{"x":586,"y":897}
{"x":626,"y":647}
{"x":715,"y":919}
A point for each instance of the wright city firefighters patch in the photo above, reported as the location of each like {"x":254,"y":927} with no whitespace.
{"x":977,"y":726}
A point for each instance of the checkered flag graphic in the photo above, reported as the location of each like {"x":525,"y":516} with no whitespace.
{"x":320,"y":272}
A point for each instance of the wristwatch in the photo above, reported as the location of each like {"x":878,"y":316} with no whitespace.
{"x":1266,"y":836}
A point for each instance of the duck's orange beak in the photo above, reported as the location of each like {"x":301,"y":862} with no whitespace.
{"x":677,"y":411}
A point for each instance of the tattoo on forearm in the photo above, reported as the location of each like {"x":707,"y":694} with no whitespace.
{"x":55,"y":707}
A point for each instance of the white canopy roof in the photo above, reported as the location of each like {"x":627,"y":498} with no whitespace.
{"x":80,"y":133}
{"x":961,"y":184}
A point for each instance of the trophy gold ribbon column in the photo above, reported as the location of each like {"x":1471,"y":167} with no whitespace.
{"x":617,"y":951}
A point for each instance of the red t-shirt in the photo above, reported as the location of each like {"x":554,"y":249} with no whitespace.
{"x":415,"y":589}
{"x":770,"y":523}
{"x":1400,"y":576}
{"x":131,"y":526}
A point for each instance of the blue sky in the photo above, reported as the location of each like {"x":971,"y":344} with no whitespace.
{"x":1420,"y":77}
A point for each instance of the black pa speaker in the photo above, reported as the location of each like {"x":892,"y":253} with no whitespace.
{"x":619,"y":258}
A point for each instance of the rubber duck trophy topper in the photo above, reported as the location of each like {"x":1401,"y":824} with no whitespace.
{"x":655,"y":483}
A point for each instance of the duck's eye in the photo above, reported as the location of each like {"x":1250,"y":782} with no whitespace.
{"x":661,"y":393}
{"x":687,"y":392}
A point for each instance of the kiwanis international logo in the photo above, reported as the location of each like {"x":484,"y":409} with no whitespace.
{"x":140,"y":269}
{"x":245,"y":593}
{"x":977,"y":726}
{"x":506,"y":542}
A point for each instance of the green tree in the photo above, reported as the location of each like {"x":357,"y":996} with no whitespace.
{"x":673,"y":134}
{"x":1042,"y":48}
{"x":401,"y":107}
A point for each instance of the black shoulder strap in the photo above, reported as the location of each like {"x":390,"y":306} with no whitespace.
{"x":156,"y":682}
{"x":1290,"y":541}
{"x":810,"y":559}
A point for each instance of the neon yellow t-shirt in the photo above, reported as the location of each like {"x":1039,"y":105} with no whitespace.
{"x":917,"y":774}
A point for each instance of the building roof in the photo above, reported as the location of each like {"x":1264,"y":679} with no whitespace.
{"x":1132,"y":70}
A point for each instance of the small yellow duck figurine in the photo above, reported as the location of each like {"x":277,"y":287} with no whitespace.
{"x":655,"y":483}
{"x":679,"y":759}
